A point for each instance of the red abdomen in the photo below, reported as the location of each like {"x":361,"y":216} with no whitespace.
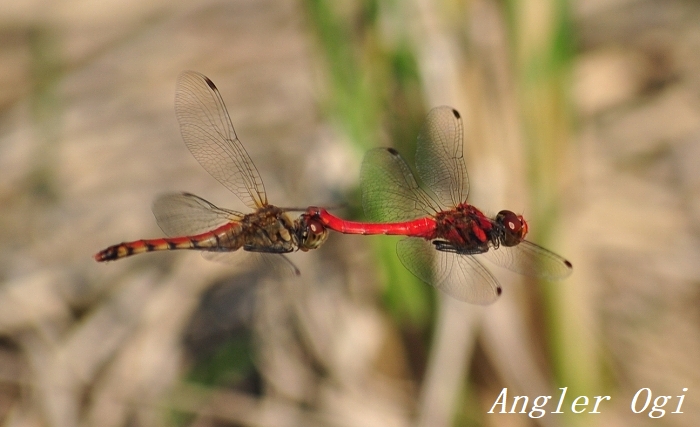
{"x":218,"y":239}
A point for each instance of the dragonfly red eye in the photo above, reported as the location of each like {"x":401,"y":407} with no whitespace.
{"x":511,"y":221}
{"x":514,"y":225}
{"x":317,"y":228}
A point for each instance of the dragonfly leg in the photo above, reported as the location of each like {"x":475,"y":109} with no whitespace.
{"x":276,"y":249}
{"x":442,"y":245}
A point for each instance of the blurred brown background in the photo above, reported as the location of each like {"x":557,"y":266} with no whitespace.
{"x":583,"y":115}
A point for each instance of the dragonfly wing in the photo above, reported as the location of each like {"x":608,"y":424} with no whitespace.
{"x":390,"y":192}
{"x":209,"y":135}
{"x":531,"y":260}
{"x":462,"y":277}
{"x":440,"y":156}
{"x":276,"y":264}
{"x":184,"y":214}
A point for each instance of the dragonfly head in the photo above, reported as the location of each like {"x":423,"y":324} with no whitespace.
{"x":311,"y":233}
{"x":514,"y":227}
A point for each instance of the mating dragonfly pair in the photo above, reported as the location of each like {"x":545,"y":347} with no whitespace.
{"x":447,"y":237}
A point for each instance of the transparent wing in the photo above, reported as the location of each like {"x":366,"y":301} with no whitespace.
{"x":531,"y":260}
{"x":440,"y":157}
{"x":389,"y":190}
{"x":277,"y":265}
{"x":184,"y":214}
{"x":208,"y":133}
{"x":460,"y":276}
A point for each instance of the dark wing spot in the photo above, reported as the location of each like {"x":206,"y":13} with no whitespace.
{"x":456,"y":113}
{"x":499,"y":291}
{"x":392,"y":151}
{"x":209,"y":82}
{"x":568,"y":264}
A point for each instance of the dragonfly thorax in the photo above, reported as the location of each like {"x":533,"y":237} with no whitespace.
{"x":269,"y":229}
{"x":464,"y":229}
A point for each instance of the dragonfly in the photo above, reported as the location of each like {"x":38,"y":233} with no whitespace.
{"x":194,"y":223}
{"x":447,"y":237}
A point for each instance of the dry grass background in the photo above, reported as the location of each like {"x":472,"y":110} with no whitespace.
{"x":584,"y":114}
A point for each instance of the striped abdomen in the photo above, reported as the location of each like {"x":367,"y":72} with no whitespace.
{"x":222,"y":238}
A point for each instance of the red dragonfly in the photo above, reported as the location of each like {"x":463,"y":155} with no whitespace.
{"x":442,"y":219}
{"x":198,"y":224}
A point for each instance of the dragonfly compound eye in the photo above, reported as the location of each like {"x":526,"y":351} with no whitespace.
{"x":312,"y":233}
{"x":514,"y":227}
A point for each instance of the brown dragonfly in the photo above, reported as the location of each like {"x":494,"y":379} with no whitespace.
{"x":196,"y":224}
